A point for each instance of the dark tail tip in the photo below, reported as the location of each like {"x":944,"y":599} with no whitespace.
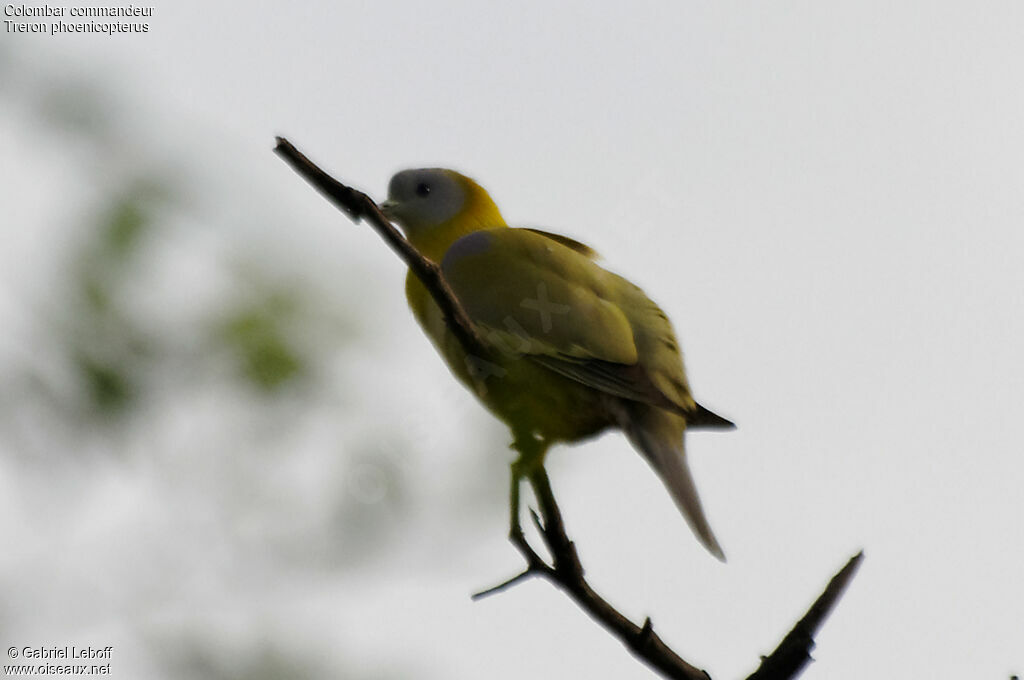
{"x":703,"y":419}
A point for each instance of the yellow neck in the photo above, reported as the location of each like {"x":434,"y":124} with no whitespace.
{"x":479,"y":213}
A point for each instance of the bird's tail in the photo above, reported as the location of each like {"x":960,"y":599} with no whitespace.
{"x":658,"y":435}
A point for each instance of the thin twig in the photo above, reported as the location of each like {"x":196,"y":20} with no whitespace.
{"x":794,"y":652}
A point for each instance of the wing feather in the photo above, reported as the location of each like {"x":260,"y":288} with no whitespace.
{"x":532,"y":293}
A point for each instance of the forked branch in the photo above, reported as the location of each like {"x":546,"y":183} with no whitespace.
{"x":566,"y":570}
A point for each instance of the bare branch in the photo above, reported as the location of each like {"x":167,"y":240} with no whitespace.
{"x":794,"y":652}
{"x":567,"y":574}
{"x":566,"y":570}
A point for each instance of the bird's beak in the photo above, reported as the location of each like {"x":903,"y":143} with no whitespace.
{"x":388,"y":208}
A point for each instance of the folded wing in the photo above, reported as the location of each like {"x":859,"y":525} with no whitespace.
{"x":533,"y":294}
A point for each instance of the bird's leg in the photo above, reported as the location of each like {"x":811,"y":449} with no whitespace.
{"x":530,"y":464}
{"x":531,"y":458}
{"x":534,"y":563}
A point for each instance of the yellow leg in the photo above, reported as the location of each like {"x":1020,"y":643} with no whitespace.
{"x":531,"y":458}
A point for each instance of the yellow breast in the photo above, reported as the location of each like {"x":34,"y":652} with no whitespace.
{"x":523,"y":394}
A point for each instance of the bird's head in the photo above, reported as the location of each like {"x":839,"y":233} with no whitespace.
{"x":435,"y":206}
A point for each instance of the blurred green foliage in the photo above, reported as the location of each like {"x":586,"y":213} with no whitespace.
{"x":241,"y":475}
{"x":113,"y":351}
{"x":108,"y":385}
{"x":256,"y":334}
{"x":108,"y":346}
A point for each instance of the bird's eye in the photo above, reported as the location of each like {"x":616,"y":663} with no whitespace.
{"x":422,"y":189}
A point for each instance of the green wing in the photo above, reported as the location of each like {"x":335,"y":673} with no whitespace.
{"x":530,"y":293}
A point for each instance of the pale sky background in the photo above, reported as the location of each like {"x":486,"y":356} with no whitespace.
{"x":827,"y":199}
